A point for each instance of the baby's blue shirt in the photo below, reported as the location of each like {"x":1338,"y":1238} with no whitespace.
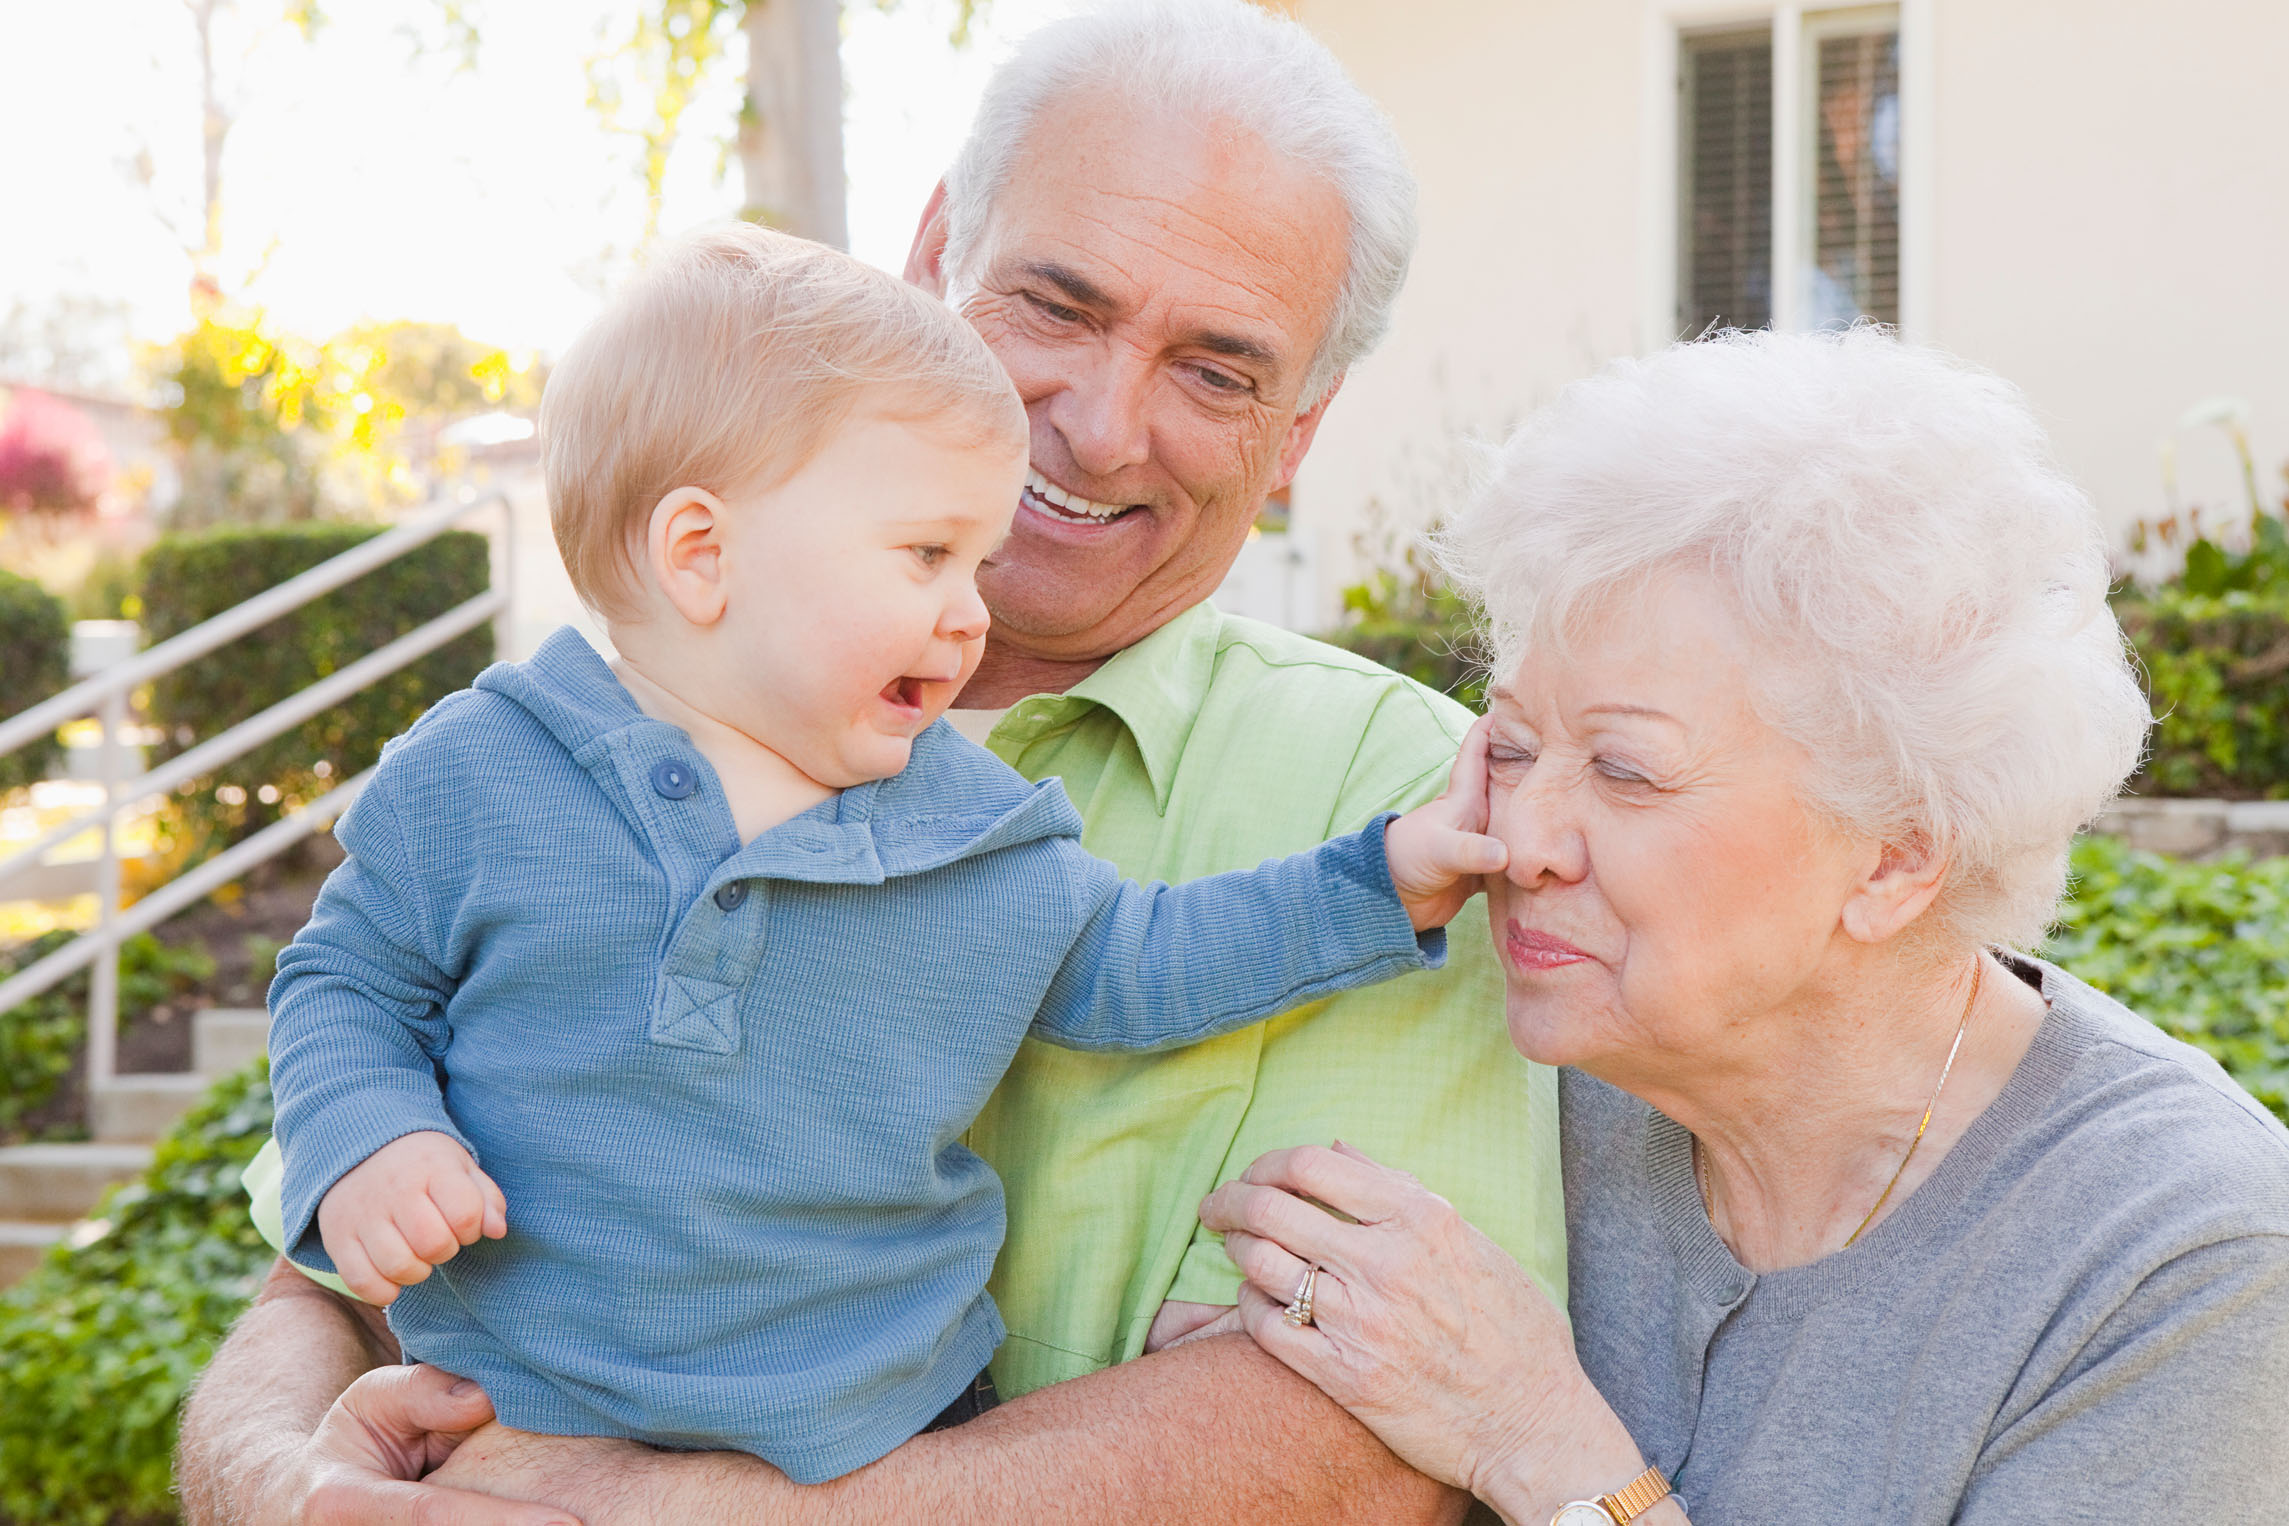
{"x":723,"y":1086}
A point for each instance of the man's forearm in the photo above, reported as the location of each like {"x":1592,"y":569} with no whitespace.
{"x":286,"y":1361}
{"x":1211,"y":1431}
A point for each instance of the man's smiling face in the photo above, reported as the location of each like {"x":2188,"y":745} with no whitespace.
{"x":1157,"y":290}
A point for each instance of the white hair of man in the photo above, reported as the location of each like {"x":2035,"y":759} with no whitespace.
{"x":1208,"y":61}
{"x":1924,"y":587}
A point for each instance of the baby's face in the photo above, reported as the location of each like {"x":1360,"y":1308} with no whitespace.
{"x":854,"y":586}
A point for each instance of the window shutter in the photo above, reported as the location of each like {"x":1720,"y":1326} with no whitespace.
{"x":1724,"y":221}
{"x":1856,"y":186}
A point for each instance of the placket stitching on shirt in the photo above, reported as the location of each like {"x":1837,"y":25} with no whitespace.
{"x":714,"y":947}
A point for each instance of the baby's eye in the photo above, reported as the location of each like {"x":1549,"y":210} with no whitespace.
{"x":931,"y":555}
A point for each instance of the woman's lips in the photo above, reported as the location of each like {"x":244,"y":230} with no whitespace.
{"x":1530,"y":949}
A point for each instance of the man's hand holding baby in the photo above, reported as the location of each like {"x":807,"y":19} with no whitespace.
{"x":1440,"y":852}
{"x":406,"y":1208}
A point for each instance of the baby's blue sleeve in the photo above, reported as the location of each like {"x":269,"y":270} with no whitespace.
{"x":1159,"y":965}
{"x":357,"y":1020}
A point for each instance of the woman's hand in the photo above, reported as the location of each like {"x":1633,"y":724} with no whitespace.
{"x":1424,"y":1329}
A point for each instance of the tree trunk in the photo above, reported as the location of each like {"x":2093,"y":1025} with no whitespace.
{"x":790,"y":127}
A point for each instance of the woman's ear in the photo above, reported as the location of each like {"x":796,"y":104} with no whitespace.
{"x":683,"y":550}
{"x":1903,"y":882}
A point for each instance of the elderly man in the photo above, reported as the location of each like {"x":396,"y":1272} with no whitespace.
{"x":1176,"y":224}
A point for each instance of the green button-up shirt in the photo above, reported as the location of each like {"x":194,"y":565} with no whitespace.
{"x":1216,"y":743}
{"x":1213,"y":744}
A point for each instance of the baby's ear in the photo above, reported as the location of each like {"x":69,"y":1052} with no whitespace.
{"x":683,"y":553}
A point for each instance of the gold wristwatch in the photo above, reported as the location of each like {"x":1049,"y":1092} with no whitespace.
{"x":1619,"y":1508}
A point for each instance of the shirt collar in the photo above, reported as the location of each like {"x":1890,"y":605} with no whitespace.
{"x":1156,"y":687}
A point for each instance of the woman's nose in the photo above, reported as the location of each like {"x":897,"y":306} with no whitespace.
{"x":1535,"y":822}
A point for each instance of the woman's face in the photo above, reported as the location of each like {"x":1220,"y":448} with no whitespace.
{"x":1666,"y":888}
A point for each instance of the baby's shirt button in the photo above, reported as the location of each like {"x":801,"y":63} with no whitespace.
{"x":674,"y":778}
{"x":728,"y":896}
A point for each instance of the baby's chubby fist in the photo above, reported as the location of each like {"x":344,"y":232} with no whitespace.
{"x":410,"y":1205}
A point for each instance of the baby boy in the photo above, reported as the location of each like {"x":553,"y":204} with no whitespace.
{"x":654,"y":996}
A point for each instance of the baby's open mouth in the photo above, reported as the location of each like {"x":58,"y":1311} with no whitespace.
{"x":906,"y":693}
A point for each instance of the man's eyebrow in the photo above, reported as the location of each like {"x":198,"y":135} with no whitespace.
{"x":1084,"y":292}
{"x":1238,"y":346}
{"x":1071,"y":282}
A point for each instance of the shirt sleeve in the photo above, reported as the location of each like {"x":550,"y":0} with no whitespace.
{"x":2172,"y":1411}
{"x":357,"y":1023}
{"x":1160,"y":965}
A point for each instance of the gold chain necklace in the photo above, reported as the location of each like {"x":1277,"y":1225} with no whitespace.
{"x":1701,"y":1165}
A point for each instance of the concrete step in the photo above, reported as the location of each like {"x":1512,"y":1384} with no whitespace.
{"x":225,"y":1039}
{"x":143,"y":1107}
{"x":22,"y":1246}
{"x":57,"y":1183}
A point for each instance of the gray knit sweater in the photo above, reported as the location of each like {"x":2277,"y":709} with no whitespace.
{"x":2082,"y":1315}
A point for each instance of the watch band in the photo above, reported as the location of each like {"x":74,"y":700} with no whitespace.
{"x":1636,"y":1497}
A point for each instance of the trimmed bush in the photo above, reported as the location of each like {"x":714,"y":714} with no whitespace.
{"x":2217,"y":667}
{"x":35,"y":662}
{"x":1409,"y":620}
{"x":2202,"y":949}
{"x":100,"y":1344}
{"x":190,"y":578}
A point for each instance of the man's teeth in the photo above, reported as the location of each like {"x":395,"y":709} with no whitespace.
{"x":1072,"y":503}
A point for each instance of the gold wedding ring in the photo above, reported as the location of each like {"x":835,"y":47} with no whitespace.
{"x":1298,"y":1312}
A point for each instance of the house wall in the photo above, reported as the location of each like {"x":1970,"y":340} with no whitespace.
{"x":2108,"y":226}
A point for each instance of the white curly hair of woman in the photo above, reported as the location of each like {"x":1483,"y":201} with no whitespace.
{"x":1923,"y":585}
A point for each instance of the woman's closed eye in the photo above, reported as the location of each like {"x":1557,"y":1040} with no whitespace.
{"x":1620,"y":771}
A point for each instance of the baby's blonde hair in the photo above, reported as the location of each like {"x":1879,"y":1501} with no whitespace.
{"x":727,"y":365}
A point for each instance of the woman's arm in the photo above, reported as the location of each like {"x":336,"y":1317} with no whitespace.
{"x":1212,"y":1431}
{"x":1425,"y":1330}
{"x":2172,"y":1410}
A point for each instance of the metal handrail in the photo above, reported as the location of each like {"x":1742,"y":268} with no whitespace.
{"x":108,"y":690}
{"x":234,"y":622}
{"x":257,"y":729}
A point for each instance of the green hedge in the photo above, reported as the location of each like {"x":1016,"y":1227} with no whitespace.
{"x":2200,"y":948}
{"x":1409,"y":620}
{"x":2217,"y":667}
{"x":189,"y":578}
{"x":99,"y":1345}
{"x":39,"y":1038}
{"x":35,"y":662}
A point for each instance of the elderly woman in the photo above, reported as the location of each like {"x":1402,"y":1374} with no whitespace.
{"x":1806,"y":679}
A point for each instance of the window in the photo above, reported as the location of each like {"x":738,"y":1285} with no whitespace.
{"x":1853,"y":73}
{"x":1808,"y":237}
{"x":1724,"y":217}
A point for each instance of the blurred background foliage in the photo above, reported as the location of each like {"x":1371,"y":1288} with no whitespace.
{"x":100,"y":1344}
{"x":189,"y":578}
{"x":276,"y":427}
